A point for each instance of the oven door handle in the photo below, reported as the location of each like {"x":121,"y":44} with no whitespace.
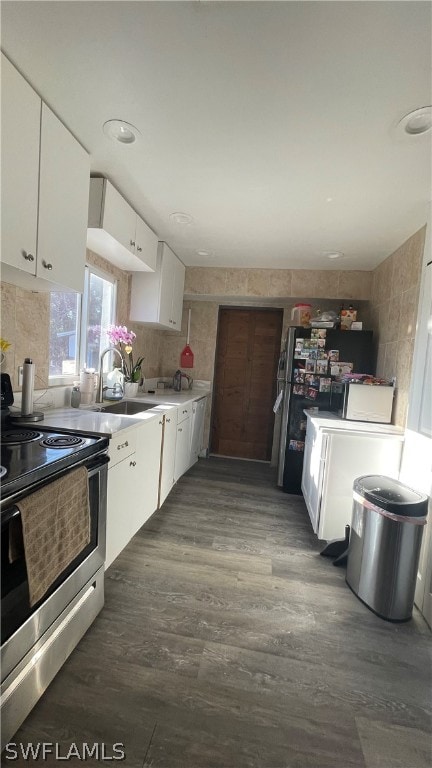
{"x":8,"y":515}
{"x":93,"y":467}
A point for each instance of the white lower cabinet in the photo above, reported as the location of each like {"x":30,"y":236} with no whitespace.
{"x":333,"y":458}
{"x":168,"y":455}
{"x":145,"y":463}
{"x":121,"y":505}
{"x":148,"y":458}
{"x":197,"y":429}
{"x":183,"y":447}
{"x":133,"y":484}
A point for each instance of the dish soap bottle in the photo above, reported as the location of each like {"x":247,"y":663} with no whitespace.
{"x":177,"y":381}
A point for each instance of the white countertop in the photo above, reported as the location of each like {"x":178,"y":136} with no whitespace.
{"x":328,"y":420}
{"x":85,"y":419}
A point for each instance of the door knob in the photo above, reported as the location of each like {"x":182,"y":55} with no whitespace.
{"x":47,"y":265}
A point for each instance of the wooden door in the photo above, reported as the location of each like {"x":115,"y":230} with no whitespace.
{"x":247,"y":354}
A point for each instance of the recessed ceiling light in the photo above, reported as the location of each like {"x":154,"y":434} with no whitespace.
{"x":119,"y":130}
{"x":416,"y":123}
{"x":203,"y":252}
{"x":329,"y":199}
{"x":181,"y":218}
{"x":334,"y":254}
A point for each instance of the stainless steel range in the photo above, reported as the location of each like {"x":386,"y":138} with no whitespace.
{"x":37,"y":638}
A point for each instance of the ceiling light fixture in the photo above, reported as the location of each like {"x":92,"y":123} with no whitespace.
{"x":119,"y":130}
{"x":334,"y":254}
{"x":416,"y":123}
{"x":202,"y":252}
{"x":181,"y":218}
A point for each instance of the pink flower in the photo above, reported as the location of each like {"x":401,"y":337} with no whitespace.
{"x":119,"y":334}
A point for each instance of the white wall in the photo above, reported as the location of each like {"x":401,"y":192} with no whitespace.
{"x":416,"y":469}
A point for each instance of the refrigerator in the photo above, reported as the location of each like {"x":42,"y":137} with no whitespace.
{"x":310,"y":361}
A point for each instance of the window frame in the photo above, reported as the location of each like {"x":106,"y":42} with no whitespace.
{"x":67,"y":379}
{"x":82,"y":322}
{"x":91,"y":270}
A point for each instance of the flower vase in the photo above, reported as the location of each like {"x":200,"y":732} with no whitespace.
{"x":130,"y":388}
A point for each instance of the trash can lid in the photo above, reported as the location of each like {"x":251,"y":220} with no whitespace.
{"x":391,"y":495}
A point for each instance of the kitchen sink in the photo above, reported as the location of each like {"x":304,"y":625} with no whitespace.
{"x":125,"y":407}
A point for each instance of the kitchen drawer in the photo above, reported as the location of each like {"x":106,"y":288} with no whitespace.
{"x":184,"y":411}
{"x":121,"y":445}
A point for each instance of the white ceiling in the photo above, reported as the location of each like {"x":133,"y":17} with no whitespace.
{"x":252,"y":114}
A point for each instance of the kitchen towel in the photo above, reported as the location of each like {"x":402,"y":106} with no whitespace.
{"x":55,"y":528}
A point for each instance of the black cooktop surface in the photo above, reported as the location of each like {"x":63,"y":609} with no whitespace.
{"x":31,"y":454}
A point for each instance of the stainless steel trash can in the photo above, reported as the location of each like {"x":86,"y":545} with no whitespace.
{"x":384,"y":548}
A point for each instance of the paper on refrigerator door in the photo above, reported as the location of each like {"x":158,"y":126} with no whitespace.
{"x":278,"y":401}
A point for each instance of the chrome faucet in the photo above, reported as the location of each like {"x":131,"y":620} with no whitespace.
{"x":100,"y":389}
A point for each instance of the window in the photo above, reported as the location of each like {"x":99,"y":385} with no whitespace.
{"x":98,"y":313}
{"x":76,"y":326}
{"x":64,"y":334}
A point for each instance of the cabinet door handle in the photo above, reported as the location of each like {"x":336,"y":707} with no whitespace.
{"x":132,"y":242}
{"x":161,"y":422}
{"x":132,"y":463}
{"x":170,"y":320}
{"x":123,"y":445}
{"x":28,"y":256}
{"x":180,"y":429}
{"x":168,"y":421}
{"x":139,"y":248}
{"x":174,"y":322}
{"x":47,"y":264}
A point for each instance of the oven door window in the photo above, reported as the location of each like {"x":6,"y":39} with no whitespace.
{"x":15,"y":605}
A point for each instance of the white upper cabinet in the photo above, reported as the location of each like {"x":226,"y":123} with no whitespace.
{"x":157,"y":298}
{"x":116,"y":232}
{"x":45,"y":187}
{"x":64,"y":165}
{"x":146,"y":243}
{"x":20,"y":131}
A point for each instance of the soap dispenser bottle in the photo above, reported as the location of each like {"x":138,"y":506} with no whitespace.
{"x":177,"y":381}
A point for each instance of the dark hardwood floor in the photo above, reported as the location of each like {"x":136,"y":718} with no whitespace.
{"x":226,"y":641}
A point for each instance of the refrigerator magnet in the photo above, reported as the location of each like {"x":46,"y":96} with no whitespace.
{"x":310,"y":365}
{"x":325,"y":385}
{"x":311,"y":393}
{"x":333,"y":355}
{"x":298,"y":389}
{"x":321,"y":366}
{"x":296,"y":445}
